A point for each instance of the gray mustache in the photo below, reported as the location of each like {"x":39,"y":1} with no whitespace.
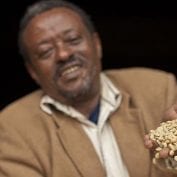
{"x":68,"y":62}
{"x":62,"y":64}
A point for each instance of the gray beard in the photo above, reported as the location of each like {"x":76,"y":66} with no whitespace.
{"x":82,"y":94}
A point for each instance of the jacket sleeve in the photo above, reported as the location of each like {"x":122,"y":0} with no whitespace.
{"x":171,"y":98}
{"x":171,"y":94}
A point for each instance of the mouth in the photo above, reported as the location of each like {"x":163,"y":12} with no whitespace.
{"x":69,"y":70}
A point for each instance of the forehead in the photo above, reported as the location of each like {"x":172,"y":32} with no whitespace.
{"x":59,"y":19}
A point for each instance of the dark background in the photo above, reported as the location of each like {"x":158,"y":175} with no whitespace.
{"x":133,"y":33}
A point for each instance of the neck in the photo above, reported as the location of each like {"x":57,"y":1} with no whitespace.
{"x":87,"y":107}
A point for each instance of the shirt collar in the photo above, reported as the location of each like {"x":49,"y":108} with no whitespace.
{"x":109,"y":94}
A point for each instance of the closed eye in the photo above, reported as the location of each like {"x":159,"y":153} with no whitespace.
{"x":74,"y":41}
{"x":44,"y":54}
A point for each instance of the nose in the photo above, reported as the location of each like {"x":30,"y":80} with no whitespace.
{"x":63,"y":52}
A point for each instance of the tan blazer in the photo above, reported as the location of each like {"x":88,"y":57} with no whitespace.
{"x":35,"y":144}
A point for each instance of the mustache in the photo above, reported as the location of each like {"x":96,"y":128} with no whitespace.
{"x":71,"y":60}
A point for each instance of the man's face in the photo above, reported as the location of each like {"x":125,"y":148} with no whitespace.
{"x":64,"y":55}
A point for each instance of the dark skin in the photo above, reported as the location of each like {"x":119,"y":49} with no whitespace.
{"x":64,"y":58}
{"x":170,"y":114}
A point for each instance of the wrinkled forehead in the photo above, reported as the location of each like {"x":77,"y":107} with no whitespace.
{"x":57,"y":17}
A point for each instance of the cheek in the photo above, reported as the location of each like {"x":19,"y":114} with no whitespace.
{"x":44,"y":70}
{"x":94,"y":59}
{"x":90,"y":53}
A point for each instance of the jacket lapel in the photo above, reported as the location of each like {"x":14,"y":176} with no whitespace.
{"x":129,"y":131}
{"x":78,"y":147}
{"x":128,"y":128}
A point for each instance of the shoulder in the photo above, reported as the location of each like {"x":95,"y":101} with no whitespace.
{"x":141,"y":76}
{"x":140,"y":72}
{"x":151,"y":90}
{"x":27,"y":102}
{"x":23,"y":107}
{"x":24,"y":118}
{"x":23,"y":126}
{"x":145,"y":83}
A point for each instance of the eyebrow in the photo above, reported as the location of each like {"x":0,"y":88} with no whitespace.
{"x":68,"y":31}
{"x":44,"y":41}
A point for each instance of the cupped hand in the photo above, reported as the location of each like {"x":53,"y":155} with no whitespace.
{"x":151,"y":145}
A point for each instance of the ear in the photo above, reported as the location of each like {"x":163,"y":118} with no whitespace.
{"x":98,"y":45}
{"x":32,"y":72}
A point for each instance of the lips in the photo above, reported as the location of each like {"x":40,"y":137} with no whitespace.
{"x":69,"y":70}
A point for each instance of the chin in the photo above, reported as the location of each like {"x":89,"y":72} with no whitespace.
{"x":80,"y":88}
{"x":76,"y":93}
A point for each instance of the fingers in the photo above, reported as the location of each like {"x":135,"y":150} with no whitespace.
{"x":163,"y":140}
{"x":159,"y":153}
{"x":164,"y":153}
{"x":147,"y":142}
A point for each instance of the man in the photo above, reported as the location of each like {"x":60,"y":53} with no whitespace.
{"x":83,"y":122}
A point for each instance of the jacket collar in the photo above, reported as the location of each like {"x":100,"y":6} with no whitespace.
{"x":129,"y":131}
{"x":78,"y":146}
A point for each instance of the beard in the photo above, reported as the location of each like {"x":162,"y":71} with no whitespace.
{"x":89,"y":84}
{"x":78,"y":94}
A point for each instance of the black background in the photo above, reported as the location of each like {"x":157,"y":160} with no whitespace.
{"x":133,"y":33}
